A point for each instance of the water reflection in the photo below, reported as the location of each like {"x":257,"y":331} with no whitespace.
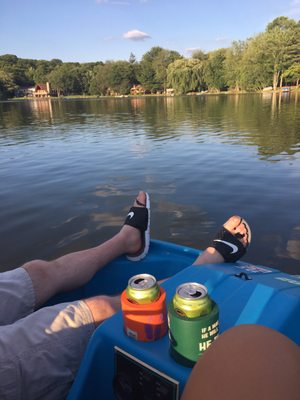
{"x":71,"y":238}
{"x":42,"y":109}
{"x":268,"y":121}
{"x":293,"y":244}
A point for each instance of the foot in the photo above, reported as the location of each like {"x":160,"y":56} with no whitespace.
{"x":239,"y":229}
{"x":131,"y":236}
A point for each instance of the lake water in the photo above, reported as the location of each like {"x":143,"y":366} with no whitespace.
{"x":70,"y":168}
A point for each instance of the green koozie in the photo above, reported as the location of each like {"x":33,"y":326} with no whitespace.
{"x":190,"y":337}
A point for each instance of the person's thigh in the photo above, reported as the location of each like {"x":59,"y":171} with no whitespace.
{"x":16,"y":294}
{"x":247,"y":362}
{"x":40,"y":354}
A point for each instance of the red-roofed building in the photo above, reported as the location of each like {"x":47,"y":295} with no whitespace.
{"x":42,"y":90}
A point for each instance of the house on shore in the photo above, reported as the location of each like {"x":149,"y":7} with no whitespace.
{"x":170,"y":92}
{"x":137,"y":90}
{"x":42,"y":90}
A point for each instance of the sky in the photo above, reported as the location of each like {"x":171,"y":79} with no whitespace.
{"x":101,"y":30}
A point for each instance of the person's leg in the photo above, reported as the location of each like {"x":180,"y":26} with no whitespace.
{"x":247,"y":362}
{"x":235,"y":226}
{"x":40,"y":354}
{"x":43,"y":350}
{"x":75,"y":269}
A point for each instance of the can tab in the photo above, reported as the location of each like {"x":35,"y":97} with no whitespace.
{"x":243,"y":275}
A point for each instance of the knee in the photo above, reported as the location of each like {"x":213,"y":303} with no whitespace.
{"x":109,"y":304}
{"x":38,"y":270}
{"x":103,"y":307}
{"x":35,"y":264}
{"x":42,"y":277}
{"x":34,"y":267}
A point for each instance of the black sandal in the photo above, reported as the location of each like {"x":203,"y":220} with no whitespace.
{"x":139,"y":218}
{"x":228,"y":245}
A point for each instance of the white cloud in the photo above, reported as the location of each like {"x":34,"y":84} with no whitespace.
{"x":293,"y":10}
{"x":136,"y":35}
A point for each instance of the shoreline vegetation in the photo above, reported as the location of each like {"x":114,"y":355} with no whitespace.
{"x":293,"y":89}
{"x":266,"y":63}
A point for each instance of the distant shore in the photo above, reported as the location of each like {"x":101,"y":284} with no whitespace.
{"x":70,"y":97}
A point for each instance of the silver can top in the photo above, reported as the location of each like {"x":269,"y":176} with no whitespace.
{"x":142,"y":281}
{"x":191,"y":290}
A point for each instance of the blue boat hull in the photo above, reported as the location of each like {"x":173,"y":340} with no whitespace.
{"x":245,"y":293}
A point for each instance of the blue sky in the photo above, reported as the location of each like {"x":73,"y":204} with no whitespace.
{"x":100,"y":30}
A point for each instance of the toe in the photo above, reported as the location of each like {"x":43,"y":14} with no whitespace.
{"x":236,"y":226}
{"x":140,"y":200}
{"x":232,"y":223}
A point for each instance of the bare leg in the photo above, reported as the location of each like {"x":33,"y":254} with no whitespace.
{"x":210,"y":255}
{"x":103,"y":307}
{"x":75,"y":269}
{"x":246,"y":362}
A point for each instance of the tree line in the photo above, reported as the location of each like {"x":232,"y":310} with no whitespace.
{"x":271,"y":58}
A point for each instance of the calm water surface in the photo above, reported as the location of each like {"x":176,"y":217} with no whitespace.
{"x":70,"y":168}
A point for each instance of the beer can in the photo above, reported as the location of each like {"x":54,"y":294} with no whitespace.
{"x":144,"y":309}
{"x":193,"y":319}
{"x":191,"y":300}
{"x":142,"y":289}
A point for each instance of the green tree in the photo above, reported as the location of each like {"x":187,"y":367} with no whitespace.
{"x":101,"y":77}
{"x":18,"y":68}
{"x":214,"y":70}
{"x":118,"y":76}
{"x":132,"y":58}
{"x":86,"y":73}
{"x":255,"y":73}
{"x":55,"y":62}
{"x":153,"y":68}
{"x":281,"y":46}
{"x":10,"y":59}
{"x":283,"y":23}
{"x":40,"y":74}
{"x":293,"y":73}
{"x":66,"y":79}
{"x":186,"y":75}
{"x":7,"y":85}
{"x":122,"y":77}
{"x":233,"y":65}
{"x":199,"y":55}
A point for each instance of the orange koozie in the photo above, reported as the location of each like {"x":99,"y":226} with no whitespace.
{"x":145,"y":322}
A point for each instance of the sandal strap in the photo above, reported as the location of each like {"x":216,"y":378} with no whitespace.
{"x":227,"y":244}
{"x":140,"y":203}
{"x":138,"y":218}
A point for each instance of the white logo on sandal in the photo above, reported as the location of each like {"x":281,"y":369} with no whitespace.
{"x":233,"y":246}
{"x":130,"y":215}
